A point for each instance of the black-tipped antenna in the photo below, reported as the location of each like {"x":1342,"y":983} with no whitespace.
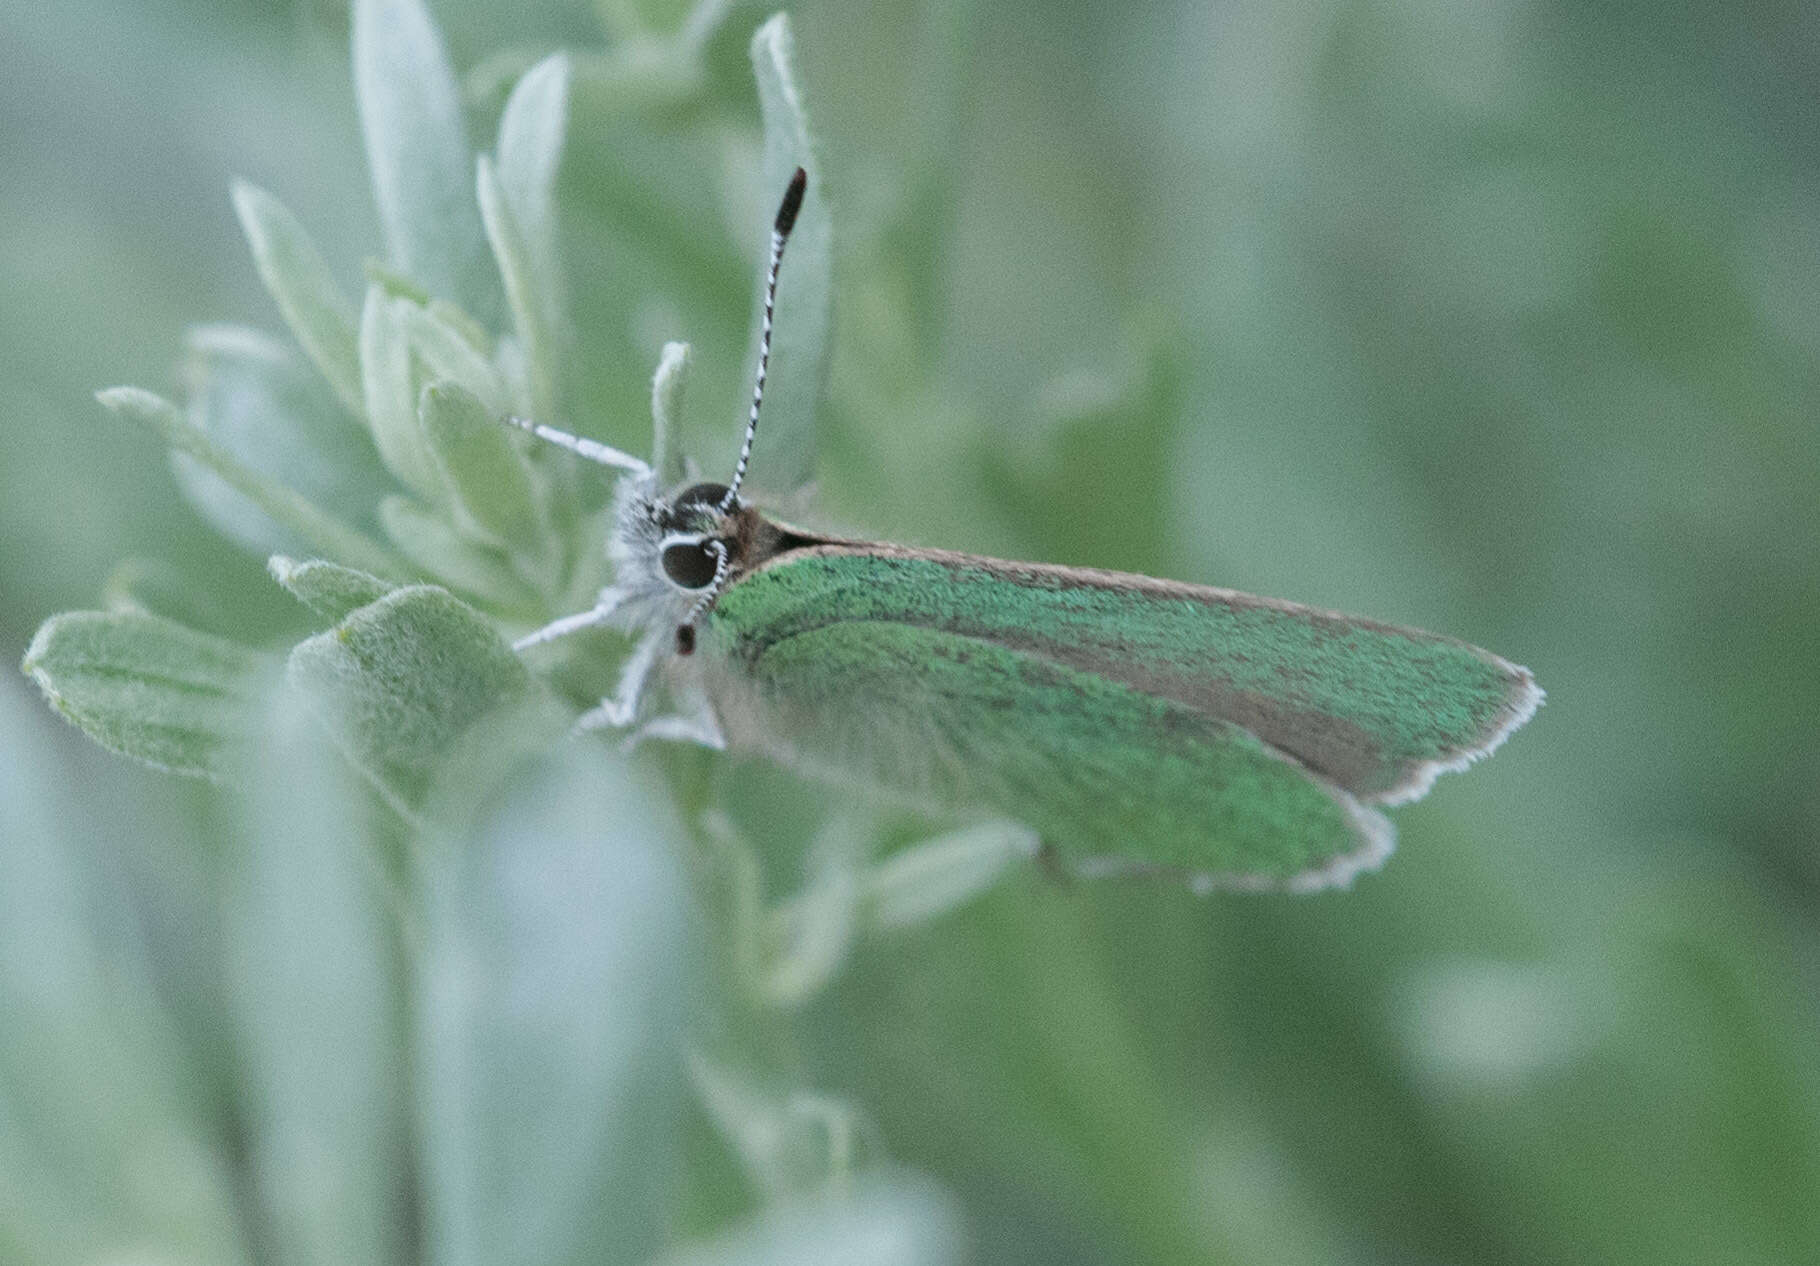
{"x":780,"y":233}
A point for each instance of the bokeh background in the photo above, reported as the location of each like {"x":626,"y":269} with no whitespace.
{"x":1501,"y":319}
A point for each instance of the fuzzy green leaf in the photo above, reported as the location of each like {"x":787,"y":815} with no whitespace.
{"x":417,"y":148}
{"x":477,"y":570}
{"x":449,"y":353}
{"x":799,"y":351}
{"x":298,"y":277}
{"x":302,"y":516}
{"x":385,"y":364}
{"x":147,"y":687}
{"x":402,"y":679}
{"x":330,"y":590}
{"x":488,"y":476}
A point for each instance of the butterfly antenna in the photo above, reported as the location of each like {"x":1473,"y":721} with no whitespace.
{"x":780,"y":233}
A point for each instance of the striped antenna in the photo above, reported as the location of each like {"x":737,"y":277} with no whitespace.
{"x":780,"y":233}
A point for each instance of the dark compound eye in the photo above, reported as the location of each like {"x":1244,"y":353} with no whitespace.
{"x":684,"y":511}
{"x":691,"y":564}
{"x":699,"y":495}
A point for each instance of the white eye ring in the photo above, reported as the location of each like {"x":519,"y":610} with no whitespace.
{"x":690,"y":560}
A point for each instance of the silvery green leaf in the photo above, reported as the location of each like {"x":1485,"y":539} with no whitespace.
{"x":289,"y":509}
{"x":417,"y":149}
{"x":261,"y":403}
{"x":799,"y":353}
{"x":898,"y":1219}
{"x":313,"y":1001}
{"x":106,"y":1140}
{"x":477,"y":570}
{"x":400,"y":681}
{"x":667,"y":391}
{"x":391,"y":399}
{"x":448,"y":352}
{"x":298,"y":277}
{"x":486,"y":474}
{"x":524,"y":295}
{"x":929,"y":879}
{"x":330,"y":590}
{"x":147,"y":687}
{"x":532,"y":132}
{"x":559,"y":947}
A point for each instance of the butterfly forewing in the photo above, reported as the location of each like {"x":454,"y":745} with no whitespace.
{"x":1375,"y":709}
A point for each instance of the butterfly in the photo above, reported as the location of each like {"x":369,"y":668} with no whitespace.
{"x":1135,"y":724}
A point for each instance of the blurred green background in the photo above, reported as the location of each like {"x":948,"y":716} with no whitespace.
{"x":1498,"y":319}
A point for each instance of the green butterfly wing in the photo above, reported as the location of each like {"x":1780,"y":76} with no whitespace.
{"x":1375,"y":709}
{"x":1125,"y":717}
{"x":1106,"y":774}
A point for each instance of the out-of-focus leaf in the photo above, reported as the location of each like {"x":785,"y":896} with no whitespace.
{"x":799,"y":350}
{"x":147,"y":687}
{"x":896,"y":1219}
{"x":391,"y":404}
{"x":417,"y":149}
{"x":402,"y":679}
{"x":258,"y":401}
{"x":485,"y":472}
{"x":298,"y":277}
{"x":313,"y":1001}
{"x":929,"y":879}
{"x":156,"y":587}
{"x":481,"y":572}
{"x":104,"y":1141}
{"x":449,"y":354}
{"x":285,"y":506}
{"x":555,"y":992}
{"x":790,"y":1144}
{"x":530,"y":316}
{"x":532,"y":132}
{"x":329,"y":589}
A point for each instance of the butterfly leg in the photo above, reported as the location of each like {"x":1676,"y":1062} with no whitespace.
{"x":622,"y":709}
{"x":693,"y":722}
{"x":590,"y":619}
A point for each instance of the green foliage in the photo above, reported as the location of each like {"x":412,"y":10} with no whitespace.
{"x":147,"y":687}
{"x":298,"y":277}
{"x":417,"y":151}
{"x":403,"y":679}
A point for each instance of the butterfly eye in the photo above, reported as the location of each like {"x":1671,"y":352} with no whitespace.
{"x":681,"y":513}
{"x":690,"y":564}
